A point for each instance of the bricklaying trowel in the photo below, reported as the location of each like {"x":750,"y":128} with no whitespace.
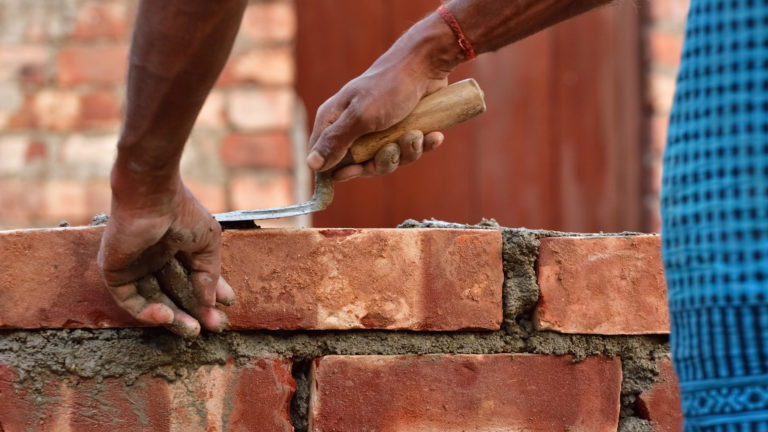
{"x":440,"y":110}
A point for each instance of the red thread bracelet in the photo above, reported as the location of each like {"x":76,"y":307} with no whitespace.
{"x":466,"y":47}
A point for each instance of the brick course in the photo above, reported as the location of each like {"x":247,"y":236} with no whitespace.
{"x":285,"y":279}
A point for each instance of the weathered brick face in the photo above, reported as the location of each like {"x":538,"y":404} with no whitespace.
{"x":62,"y":72}
{"x":384,"y":330}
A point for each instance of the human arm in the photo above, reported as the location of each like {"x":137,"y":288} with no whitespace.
{"x":419,"y":64}
{"x":178,"y":50}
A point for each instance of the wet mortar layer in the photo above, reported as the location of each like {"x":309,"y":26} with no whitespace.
{"x":130,"y":353}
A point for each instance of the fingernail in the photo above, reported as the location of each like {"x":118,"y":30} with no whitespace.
{"x":315,"y":161}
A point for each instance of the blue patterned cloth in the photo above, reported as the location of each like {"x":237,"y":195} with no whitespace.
{"x":715,"y":217}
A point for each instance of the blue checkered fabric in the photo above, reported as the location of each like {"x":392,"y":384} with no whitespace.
{"x":715,"y":217}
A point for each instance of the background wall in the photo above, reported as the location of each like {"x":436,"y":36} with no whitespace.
{"x":62,"y":65}
{"x":62,"y":70}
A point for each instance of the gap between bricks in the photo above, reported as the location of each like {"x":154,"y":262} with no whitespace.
{"x":526,"y":325}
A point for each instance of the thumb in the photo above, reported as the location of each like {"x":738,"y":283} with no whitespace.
{"x":332,"y":143}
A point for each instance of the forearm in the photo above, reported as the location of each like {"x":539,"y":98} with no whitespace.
{"x":488,"y":25}
{"x":178,"y":50}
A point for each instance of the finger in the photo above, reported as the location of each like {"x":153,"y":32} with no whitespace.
{"x":327,"y":114}
{"x":386,"y":161}
{"x":128,"y":298}
{"x":348,"y":173}
{"x":433,"y":140}
{"x":411,"y":146}
{"x":183,"y":324}
{"x":181,"y":288}
{"x":333,"y":142}
{"x":224,"y":293}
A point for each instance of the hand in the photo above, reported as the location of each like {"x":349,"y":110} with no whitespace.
{"x":161,"y":262}
{"x":382,"y":96}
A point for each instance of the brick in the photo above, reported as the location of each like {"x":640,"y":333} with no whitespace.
{"x":36,"y":151}
{"x":212,"y":196}
{"x":456,"y":393}
{"x":261,"y":190}
{"x":20,"y":201}
{"x":416,"y":279}
{"x":261,"y":150}
{"x":659,"y":127}
{"x":669,"y":10}
{"x":11,"y":100}
{"x":89,"y":156}
{"x":92,"y":64}
{"x":103,"y":20}
{"x":99,"y":109}
{"x":57,"y":110}
{"x":253,"y":110}
{"x":662,"y":91}
{"x":602,"y":285}
{"x":661,"y":403}
{"x":269,"y":22}
{"x":263,"y":66}
{"x":16,"y":59}
{"x":13,"y":152}
{"x":98,"y":196}
{"x":211,"y":398}
{"x":65,"y":199}
{"x":665,"y":47}
{"x":212,"y":112}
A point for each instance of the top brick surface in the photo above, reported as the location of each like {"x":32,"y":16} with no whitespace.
{"x":416,"y":279}
{"x":602,"y":285}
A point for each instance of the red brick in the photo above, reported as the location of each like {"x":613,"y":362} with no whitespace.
{"x":20,"y":201}
{"x":92,"y":64}
{"x":602,"y":285}
{"x":261,"y":190}
{"x":99,"y":109}
{"x":661,"y":403}
{"x":213,"y":398}
{"x":261,"y":150}
{"x":262,"y":66}
{"x":57,"y":110}
{"x":36,"y":150}
{"x":260,"y":109}
{"x":18,"y":60}
{"x":212,"y":196}
{"x":103,"y":20}
{"x":269,"y":22}
{"x":417,"y":279}
{"x":669,"y":10}
{"x":453,"y":393}
{"x":665,"y":47}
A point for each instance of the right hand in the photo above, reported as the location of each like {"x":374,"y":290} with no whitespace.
{"x":382,"y":96}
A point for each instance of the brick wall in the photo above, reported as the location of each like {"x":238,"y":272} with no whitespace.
{"x":665,"y":28}
{"x":62,"y":67}
{"x":451,"y":329}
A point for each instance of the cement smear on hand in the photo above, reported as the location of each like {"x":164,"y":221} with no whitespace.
{"x":130,"y":353}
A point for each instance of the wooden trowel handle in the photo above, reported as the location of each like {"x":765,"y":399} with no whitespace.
{"x":440,"y":110}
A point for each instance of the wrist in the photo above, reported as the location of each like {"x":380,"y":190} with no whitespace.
{"x":137,"y":185}
{"x":433,"y":44}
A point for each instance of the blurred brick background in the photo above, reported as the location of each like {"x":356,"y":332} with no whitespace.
{"x":62,"y":66}
{"x":62,"y":70}
{"x":665,"y":28}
